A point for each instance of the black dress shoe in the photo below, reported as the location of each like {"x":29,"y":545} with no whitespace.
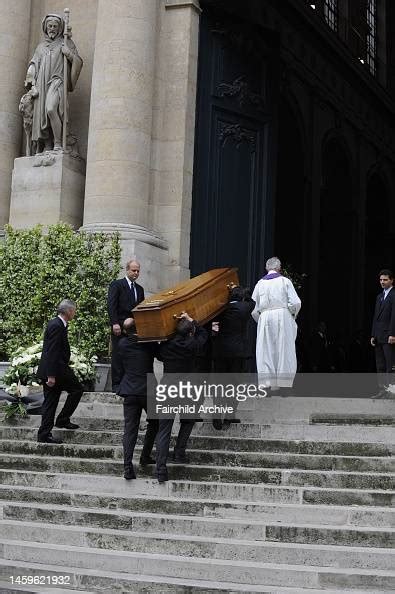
{"x":129,"y":473}
{"x":382,"y":394}
{"x":162,"y":476}
{"x":146,"y":461}
{"x":227,"y":422}
{"x":67,"y":426}
{"x":217,"y":424}
{"x":50,"y":439}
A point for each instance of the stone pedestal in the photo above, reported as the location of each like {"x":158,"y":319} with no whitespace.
{"x":150,"y":249}
{"x":46,"y":189}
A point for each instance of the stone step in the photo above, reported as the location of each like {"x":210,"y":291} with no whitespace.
{"x":287,"y":431}
{"x":6,"y":588}
{"x":220,"y":441}
{"x":362,"y":550}
{"x":355,"y":419}
{"x":111,"y":581}
{"x":280,"y":409}
{"x":277,"y":532}
{"x":213,"y":457}
{"x":217,"y":570}
{"x":116,"y":512}
{"x":186,"y":489}
{"x":292,"y":477}
{"x":179,"y":516}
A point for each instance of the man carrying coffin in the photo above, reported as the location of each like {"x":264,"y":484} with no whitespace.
{"x":178,"y":355}
{"x":137,"y":361}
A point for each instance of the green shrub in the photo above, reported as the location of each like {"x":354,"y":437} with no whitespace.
{"x":38,"y":270}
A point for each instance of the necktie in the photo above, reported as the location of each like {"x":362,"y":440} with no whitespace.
{"x":134,"y":292}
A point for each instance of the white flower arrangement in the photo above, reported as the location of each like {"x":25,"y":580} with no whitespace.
{"x":24,"y":364}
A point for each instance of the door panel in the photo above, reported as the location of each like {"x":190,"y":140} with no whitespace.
{"x":235,"y":147}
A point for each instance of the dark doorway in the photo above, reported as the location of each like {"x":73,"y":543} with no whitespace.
{"x":337,"y":232}
{"x":379,"y":249}
{"x":290,"y":234}
{"x":235,"y":146}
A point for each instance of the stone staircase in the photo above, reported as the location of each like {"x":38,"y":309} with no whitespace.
{"x":301,"y":503}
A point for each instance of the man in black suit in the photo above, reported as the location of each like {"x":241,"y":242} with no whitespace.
{"x":123,"y":295}
{"x":230,"y":348}
{"x":137,"y":360}
{"x":178,"y":355}
{"x":230,"y":342}
{"x":383,"y":331}
{"x":57,"y":375}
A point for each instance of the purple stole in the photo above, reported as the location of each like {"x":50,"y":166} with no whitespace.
{"x":272,"y":275}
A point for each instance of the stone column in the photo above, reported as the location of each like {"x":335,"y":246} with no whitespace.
{"x":174,"y":130}
{"x":117,"y":178}
{"x":14,"y":38}
{"x":119,"y":146}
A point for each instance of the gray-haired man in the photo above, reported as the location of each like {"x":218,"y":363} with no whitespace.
{"x":57,"y":375}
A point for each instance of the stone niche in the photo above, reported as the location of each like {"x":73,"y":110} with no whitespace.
{"x":47,"y":188}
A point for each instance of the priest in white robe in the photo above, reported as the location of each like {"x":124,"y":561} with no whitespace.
{"x":277,"y":305}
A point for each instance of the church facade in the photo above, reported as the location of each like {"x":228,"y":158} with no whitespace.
{"x":220,"y":132}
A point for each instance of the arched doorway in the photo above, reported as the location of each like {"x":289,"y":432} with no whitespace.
{"x":337,"y":233}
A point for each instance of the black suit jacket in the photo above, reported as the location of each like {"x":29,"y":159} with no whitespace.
{"x":384,"y":317}
{"x":137,"y":360}
{"x":231,"y":340}
{"x":178,"y":353}
{"x":121,"y":300}
{"x":55,"y":355}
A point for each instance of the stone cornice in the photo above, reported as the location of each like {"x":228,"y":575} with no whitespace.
{"x":194,"y":4}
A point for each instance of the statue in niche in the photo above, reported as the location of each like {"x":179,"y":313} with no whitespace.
{"x":53,"y":72}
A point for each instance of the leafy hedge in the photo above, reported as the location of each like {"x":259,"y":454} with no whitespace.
{"x":38,"y":270}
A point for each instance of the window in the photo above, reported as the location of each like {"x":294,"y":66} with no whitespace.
{"x":371,"y":39}
{"x":331,"y":14}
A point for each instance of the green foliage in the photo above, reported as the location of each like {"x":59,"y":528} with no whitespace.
{"x":13,"y":409}
{"x":38,"y":270}
{"x":297,"y":278}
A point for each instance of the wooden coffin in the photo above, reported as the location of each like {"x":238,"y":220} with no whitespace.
{"x":203,"y":297}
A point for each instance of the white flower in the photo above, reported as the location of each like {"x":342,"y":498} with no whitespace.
{"x":12,"y":389}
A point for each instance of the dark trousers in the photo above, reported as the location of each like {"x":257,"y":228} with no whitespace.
{"x":163,"y":441}
{"x":385,"y":362}
{"x":64,"y":383}
{"x":117,"y":369}
{"x":133,"y":406}
{"x":229,"y":365}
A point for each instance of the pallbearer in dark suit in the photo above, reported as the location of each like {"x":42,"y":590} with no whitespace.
{"x":123,"y":295}
{"x":137,"y":360}
{"x":383,"y":331}
{"x":56,"y":374}
{"x":230,"y":343}
{"x":230,"y":348}
{"x":178,"y":355}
